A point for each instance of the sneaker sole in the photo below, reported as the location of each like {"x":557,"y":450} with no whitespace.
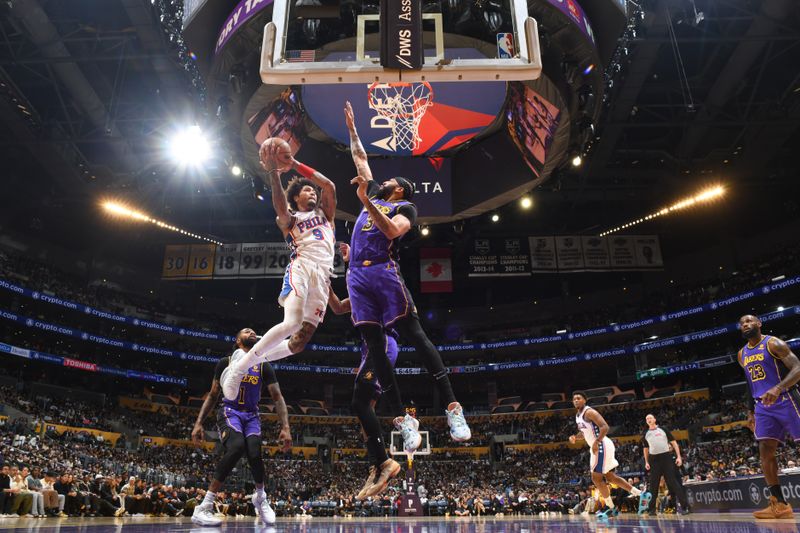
{"x":416,"y":447}
{"x":392,"y":475}
{"x":465,"y":439}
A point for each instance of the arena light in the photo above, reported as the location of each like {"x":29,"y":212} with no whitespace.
{"x":526,"y":202}
{"x":190,"y":147}
{"x":122,"y":211}
{"x":495,"y":218}
{"x":425,"y":231}
{"x":236,"y":170}
{"x":576,"y":161}
{"x":704,"y":196}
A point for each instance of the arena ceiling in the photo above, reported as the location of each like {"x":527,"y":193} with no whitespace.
{"x":89,"y":90}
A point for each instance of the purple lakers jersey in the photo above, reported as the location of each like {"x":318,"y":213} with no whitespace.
{"x":368,"y":243}
{"x":762,"y":369}
{"x":250,"y":388}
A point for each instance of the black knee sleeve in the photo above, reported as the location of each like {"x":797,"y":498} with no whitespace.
{"x":361,"y":406}
{"x":375,"y":339}
{"x":253,"y":449}
{"x":411,"y":331}
{"x":233,"y":447}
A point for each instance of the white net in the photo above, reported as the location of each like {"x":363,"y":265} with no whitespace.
{"x":404,"y":105}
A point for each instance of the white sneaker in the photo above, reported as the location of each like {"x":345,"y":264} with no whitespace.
{"x":408,"y":427}
{"x":459,"y":430}
{"x":203,"y":515}
{"x":263,"y":509}
{"x":231,"y":378}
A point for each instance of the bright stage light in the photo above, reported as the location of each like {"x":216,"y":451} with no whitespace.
{"x":425,"y":231}
{"x":495,"y":218}
{"x":526,"y":202}
{"x":703,"y":196}
{"x":236,"y":170}
{"x":120,"y":210}
{"x":190,"y":147}
{"x":576,"y":161}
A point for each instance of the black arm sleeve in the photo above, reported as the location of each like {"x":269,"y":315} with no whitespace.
{"x":222,"y":364}
{"x":670,"y":438}
{"x":645,"y":444}
{"x":372,"y":188}
{"x":268,"y":374}
{"x":409,"y":211}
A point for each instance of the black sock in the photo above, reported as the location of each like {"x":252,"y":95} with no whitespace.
{"x":776,"y":491}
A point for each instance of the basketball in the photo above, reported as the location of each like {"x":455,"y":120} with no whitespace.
{"x":282,"y":154}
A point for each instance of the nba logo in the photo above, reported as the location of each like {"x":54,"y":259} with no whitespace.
{"x":505,"y":45}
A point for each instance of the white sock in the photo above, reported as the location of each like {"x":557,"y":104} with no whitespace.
{"x":635,"y":491}
{"x":609,"y":502}
{"x":210,"y":498}
{"x":279,"y":352}
{"x":260,"y":492}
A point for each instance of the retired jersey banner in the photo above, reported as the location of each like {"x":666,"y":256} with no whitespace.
{"x":232,"y":261}
{"x":435,"y":270}
{"x":501,"y":256}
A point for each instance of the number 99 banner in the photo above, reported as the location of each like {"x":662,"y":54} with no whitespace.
{"x":231,"y":261}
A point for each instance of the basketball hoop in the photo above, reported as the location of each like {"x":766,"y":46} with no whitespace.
{"x":404,"y":105}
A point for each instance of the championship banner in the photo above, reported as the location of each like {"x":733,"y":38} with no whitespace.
{"x":435,"y":270}
{"x":580,"y":253}
{"x":741,"y":493}
{"x":500,"y":257}
{"x":595,"y":253}
{"x":570,"y":253}
{"x":543,"y":254}
{"x":623,"y":252}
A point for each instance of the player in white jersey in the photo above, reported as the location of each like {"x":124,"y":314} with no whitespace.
{"x":593,"y":428}
{"x":306,"y":219}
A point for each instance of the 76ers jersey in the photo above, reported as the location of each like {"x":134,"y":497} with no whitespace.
{"x":761,"y":367}
{"x":589,"y":429}
{"x":311,"y":237}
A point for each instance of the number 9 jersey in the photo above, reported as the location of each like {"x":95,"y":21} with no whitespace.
{"x":312,"y":242}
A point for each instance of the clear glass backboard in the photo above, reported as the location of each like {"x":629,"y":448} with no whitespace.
{"x":341,"y":41}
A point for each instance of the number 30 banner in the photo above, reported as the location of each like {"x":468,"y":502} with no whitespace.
{"x":231,"y":261}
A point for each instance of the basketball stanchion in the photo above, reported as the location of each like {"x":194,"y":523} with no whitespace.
{"x":410,"y":504}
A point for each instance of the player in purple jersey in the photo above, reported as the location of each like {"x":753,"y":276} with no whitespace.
{"x":380,"y":299}
{"x":366,"y":393}
{"x":777,"y":403}
{"x":239,"y":429}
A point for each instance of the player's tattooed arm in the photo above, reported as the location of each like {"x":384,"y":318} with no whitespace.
{"x":780,"y":350}
{"x":394,"y":227}
{"x":208,"y":404}
{"x":339,"y":307}
{"x":326,"y":186}
{"x":285,"y":436}
{"x":356,"y":148}
{"x":279,"y":202}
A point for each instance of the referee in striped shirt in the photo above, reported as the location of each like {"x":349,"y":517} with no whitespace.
{"x":658,"y":445}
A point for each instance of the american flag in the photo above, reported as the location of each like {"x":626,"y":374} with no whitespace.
{"x":300,"y":56}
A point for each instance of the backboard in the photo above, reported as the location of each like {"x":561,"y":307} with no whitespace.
{"x":386,"y":41}
{"x":396,"y":444}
